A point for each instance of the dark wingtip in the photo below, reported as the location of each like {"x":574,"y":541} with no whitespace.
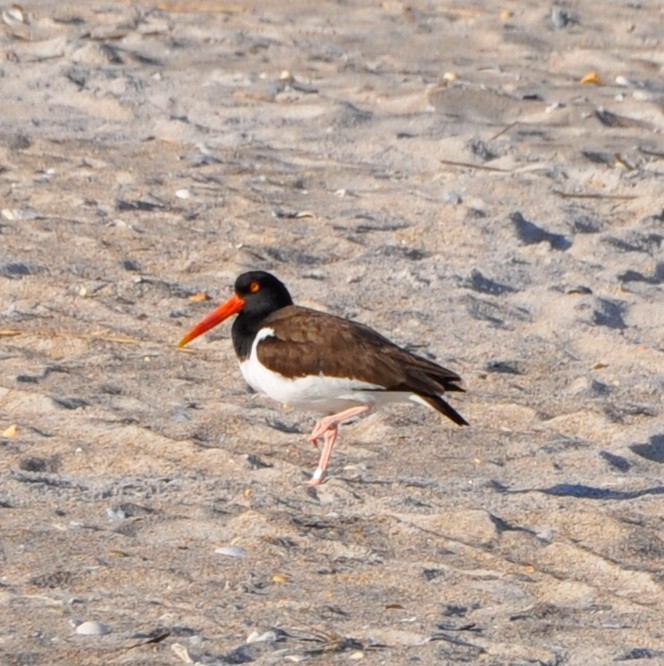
{"x":460,"y":421}
{"x":444,"y":408}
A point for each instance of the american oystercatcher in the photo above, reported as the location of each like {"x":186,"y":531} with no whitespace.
{"x":318,"y":362}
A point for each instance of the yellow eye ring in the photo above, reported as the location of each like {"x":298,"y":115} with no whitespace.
{"x":254,"y":287}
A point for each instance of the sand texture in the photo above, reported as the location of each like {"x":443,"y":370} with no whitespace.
{"x":483,"y":182}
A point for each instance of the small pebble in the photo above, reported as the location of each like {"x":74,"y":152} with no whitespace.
{"x":10,"y":432}
{"x":182,"y":652}
{"x":182,"y":194}
{"x":14,"y":14}
{"x":93,"y":628}
{"x":453,"y":198}
{"x":231,"y":551}
{"x":266,"y":637}
{"x":19,"y":214}
{"x":554,"y":106}
{"x":561,"y":18}
{"x":115,"y":513}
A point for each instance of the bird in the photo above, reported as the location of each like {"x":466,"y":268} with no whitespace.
{"x":319,"y":362}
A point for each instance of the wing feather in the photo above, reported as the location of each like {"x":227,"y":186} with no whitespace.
{"x":309,"y":342}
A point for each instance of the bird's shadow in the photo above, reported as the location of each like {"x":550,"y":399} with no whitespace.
{"x":652,"y":450}
{"x":581,"y":490}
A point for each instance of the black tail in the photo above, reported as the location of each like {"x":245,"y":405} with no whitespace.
{"x":441,"y":406}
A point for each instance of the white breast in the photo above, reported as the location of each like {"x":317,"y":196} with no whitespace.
{"x":314,"y":392}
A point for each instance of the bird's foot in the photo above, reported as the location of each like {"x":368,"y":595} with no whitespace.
{"x":316,"y":479}
{"x":327,"y":429}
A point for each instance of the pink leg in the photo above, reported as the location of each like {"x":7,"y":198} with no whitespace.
{"x":328,"y":429}
{"x":329,"y":439}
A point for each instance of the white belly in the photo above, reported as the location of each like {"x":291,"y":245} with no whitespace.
{"x":316,"y":393}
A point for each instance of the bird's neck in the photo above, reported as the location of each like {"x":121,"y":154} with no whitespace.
{"x":244,"y":330}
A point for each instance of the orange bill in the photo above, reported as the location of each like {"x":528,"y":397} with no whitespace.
{"x":231,"y":307}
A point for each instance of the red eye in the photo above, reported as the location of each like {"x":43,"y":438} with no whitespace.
{"x":254,"y":287}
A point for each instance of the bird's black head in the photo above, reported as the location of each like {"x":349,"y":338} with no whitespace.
{"x":257,"y":295}
{"x":262,"y":293}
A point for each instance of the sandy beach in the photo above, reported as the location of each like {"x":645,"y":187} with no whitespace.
{"x":480,"y":182}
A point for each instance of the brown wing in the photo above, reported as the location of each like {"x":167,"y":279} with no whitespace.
{"x":309,"y":342}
